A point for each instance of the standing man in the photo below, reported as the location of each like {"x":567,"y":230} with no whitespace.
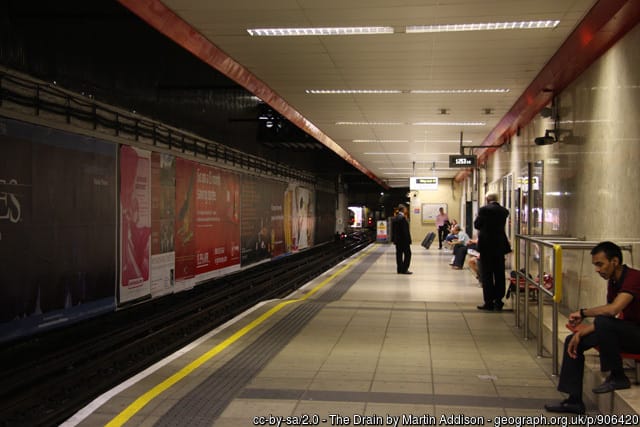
{"x":492,"y":245}
{"x":609,"y":331}
{"x":442,"y":222}
{"x":401,"y":237}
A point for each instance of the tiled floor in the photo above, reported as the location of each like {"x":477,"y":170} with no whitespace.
{"x":412,"y":346}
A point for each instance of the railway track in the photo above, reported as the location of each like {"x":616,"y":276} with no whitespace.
{"x":46,"y":378}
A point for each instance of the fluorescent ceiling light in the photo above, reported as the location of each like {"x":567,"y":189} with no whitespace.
{"x":449,"y":124}
{"x":369,"y":123}
{"x":465,"y":141}
{"x":460,"y":91}
{"x":410,"y":169}
{"x":385,"y":91}
{"x":486,"y":26}
{"x":380,"y":140}
{"x":321,"y":31}
{"x":378,"y":153}
{"x":373,"y":153}
{"x":350,"y":91}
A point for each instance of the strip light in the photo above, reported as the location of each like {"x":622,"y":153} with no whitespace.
{"x":466,"y":141}
{"x":449,"y":124}
{"x":369,"y":123}
{"x":349,"y":91}
{"x":414,"y":124}
{"x":486,"y":26}
{"x":460,"y":91}
{"x":321,"y":31}
{"x":384,"y":91}
{"x":380,"y":140}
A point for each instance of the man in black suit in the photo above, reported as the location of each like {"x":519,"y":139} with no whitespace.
{"x":492,"y":245}
{"x":401,"y":237}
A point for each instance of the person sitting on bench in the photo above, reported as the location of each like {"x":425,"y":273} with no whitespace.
{"x":610,"y":334}
{"x":460,"y":245}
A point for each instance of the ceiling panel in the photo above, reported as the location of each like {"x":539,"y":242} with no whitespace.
{"x":490,"y":59}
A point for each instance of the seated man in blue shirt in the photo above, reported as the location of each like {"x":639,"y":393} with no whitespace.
{"x":460,"y":243}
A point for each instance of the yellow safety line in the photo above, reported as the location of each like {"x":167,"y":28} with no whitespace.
{"x":147,"y":397}
{"x":557,"y":274}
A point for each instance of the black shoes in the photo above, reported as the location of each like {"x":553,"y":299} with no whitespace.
{"x":611,"y":384}
{"x":407,"y":272}
{"x":566,"y":407}
{"x":496,"y":306}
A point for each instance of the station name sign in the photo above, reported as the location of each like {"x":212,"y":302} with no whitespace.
{"x":423,"y":183}
{"x":462,"y":161}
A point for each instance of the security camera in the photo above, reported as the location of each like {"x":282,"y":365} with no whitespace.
{"x":546,"y":139}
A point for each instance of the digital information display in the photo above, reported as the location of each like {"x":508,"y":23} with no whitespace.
{"x":462,"y":161}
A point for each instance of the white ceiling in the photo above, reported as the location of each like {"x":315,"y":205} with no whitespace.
{"x":462,"y":60}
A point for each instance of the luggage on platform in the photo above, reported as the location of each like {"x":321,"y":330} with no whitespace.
{"x":428,"y":240}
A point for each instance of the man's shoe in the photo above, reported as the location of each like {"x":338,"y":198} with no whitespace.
{"x":497,"y":305}
{"x":566,"y":407}
{"x":407,"y":272}
{"x":486,"y":307}
{"x":611,"y":384}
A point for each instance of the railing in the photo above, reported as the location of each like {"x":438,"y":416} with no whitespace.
{"x":557,"y":244}
{"x":35,"y":97}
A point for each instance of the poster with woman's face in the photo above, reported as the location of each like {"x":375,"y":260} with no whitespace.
{"x":302,"y":216}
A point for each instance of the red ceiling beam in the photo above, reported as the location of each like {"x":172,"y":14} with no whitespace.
{"x":163,"y":19}
{"x":606,"y":23}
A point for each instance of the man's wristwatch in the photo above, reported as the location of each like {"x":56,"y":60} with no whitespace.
{"x":582,"y":313}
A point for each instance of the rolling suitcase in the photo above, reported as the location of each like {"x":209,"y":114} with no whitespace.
{"x":428,"y":240}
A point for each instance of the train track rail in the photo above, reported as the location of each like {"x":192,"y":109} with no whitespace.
{"x":46,"y":378}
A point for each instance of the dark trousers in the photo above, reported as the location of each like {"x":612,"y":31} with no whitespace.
{"x":443,"y":230}
{"x":493,"y":277}
{"x":612,"y":336}
{"x":403,"y":258}
{"x":459,"y":254}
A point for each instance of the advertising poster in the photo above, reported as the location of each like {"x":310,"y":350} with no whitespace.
{"x":185,"y":224}
{"x":135,"y":223}
{"x":262,"y":219}
{"x":163,"y":203}
{"x":51,"y":270}
{"x":325,"y":216}
{"x":300,"y":217}
{"x":382,"y":231}
{"x":288,"y":219}
{"x":277,"y":219}
{"x":217,"y":222}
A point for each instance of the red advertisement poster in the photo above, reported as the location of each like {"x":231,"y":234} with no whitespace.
{"x":163,"y":203}
{"x":217,"y":222}
{"x":135,"y":222}
{"x":185,"y":224}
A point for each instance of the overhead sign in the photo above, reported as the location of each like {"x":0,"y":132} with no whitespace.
{"x":462,"y":161}
{"x":523,"y":182}
{"x":423,"y":183}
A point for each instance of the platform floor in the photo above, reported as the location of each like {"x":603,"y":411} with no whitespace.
{"x":359,"y":345}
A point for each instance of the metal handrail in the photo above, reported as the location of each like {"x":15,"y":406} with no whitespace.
{"x":557,"y":244}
